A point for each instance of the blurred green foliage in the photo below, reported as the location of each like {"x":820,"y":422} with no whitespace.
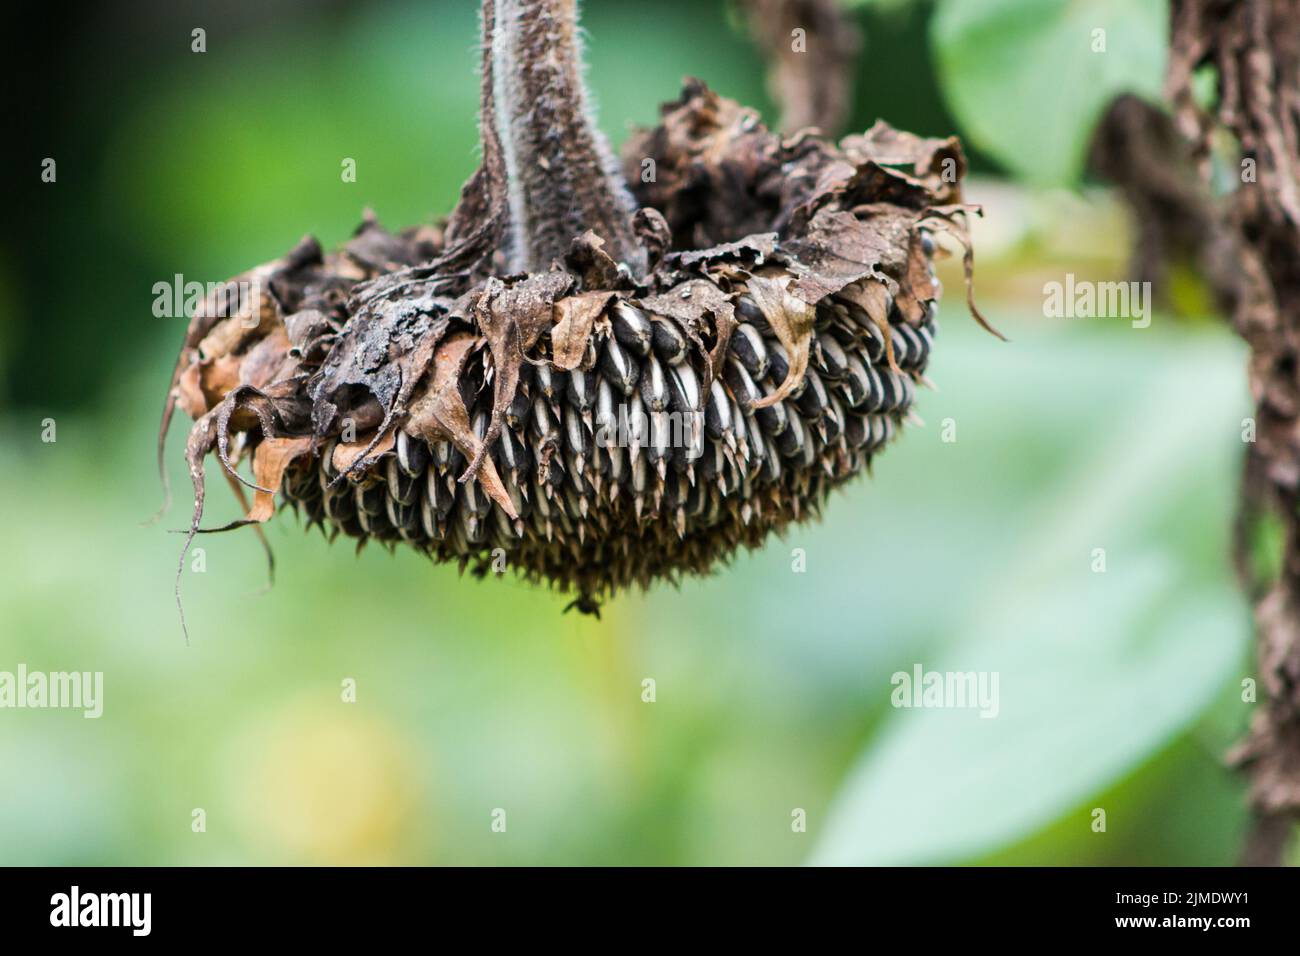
{"x":1029,"y":79}
{"x":1118,"y":689}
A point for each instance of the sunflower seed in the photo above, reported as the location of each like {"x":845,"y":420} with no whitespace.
{"x":754,"y":439}
{"x":882,"y":430}
{"x":739,"y":428}
{"x":512,"y":454}
{"x":831,"y":425}
{"x":474,"y":499}
{"x":412,"y":454}
{"x":779,"y":369}
{"x":856,"y":384}
{"x":918,"y":339}
{"x":749,"y":349}
{"x":906,"y":347}
{"x":791,"y":441}
{"x":668,"y":342}
{"x":545,"y":380}
{"x":749,"y":311}
{"x":717,"y":413}
{"x":440,"y":496}
{"x":894,"y":393}
{"x":618,"y":366}
{"x":712,"y":461}
{"x":631,"y":328}
{"x":771,"y":466}
{"x":404,"y":517}
{"x":517,"y":411}
{"x":654,"y":386}
{"x":543,"y":423}
{"x":637,"y":425}
{"x":831,"y":360}
{"x":772,"y":418}
{"x":613,"y":456}
{"x":605,"y":417}
{"x":433,"y":529}
{"x":503,"y":526}
{"x":576,"y":434}
{"x":401,"y":486}
{"x":874,"y":342}
{"x":741,"y":384}
{"x":684,"y":387}
{"x":660,"y":436}
{"x":370,"y":497}
{"x":581,"y":391}
{"x":812,"y":401}
{"x":475,"y":530}
{"x":442,"y":454}
{"x":857,"y":430}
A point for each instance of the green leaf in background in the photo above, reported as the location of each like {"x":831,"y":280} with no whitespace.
{"x":1096,"y":670}
{"x":1024,"y":81}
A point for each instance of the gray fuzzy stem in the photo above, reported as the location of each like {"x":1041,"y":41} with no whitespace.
{"x":562,"y":178}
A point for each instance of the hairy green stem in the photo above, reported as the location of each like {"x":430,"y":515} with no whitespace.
{"x":561,"y":176}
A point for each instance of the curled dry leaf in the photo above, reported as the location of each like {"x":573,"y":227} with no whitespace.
{"x":439,"y":413}
{"x":575,"y":318}
{"x":272,"y":457}
{"x":791,"y":318}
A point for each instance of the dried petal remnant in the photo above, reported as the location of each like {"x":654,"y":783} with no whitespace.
{"x":603,"y":427}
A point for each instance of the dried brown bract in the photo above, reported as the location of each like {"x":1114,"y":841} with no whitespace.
{"x":718,"y":347}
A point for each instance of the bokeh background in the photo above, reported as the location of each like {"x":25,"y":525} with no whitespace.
{"x":1118,"y":690}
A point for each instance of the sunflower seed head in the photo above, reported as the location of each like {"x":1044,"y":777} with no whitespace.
{"x":604,"y":431}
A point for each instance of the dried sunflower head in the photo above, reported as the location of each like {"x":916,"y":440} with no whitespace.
{"x":596,"y":379}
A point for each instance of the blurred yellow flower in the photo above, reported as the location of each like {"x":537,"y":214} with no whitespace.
{"x":325,"y":782}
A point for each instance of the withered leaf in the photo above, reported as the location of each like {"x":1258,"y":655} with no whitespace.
{"x":839,"y":249}
{"x":654,"y":234}
{"x":377,"y":249}
{"x":512,"y":317}
{"x":575,"y":318}
{"x":873,"y":298}
{"x":753,"y":249}
{"x":438,"y":413}
{"x":952,"y":221}
{"x":267,"y":360}
{"x":689,"y":304}
{"x":938,"y":166}
{"x":791,"y":319}
{"x":349,"y":456}
{"x":189,"y":390}
{"x":595,"y":268}
{"x":270,"y":460}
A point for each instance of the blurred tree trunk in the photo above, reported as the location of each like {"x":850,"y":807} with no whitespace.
{"x":811,"y":48}
{"x":1253,"y":46}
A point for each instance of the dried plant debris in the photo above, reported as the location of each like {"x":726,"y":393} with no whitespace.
{"x":601,"y":422}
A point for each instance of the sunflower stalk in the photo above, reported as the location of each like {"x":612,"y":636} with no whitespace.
{"x":561,"y":177}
